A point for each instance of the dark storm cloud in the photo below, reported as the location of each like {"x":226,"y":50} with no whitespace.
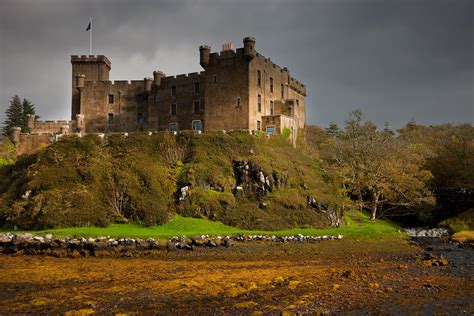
{"x":395,"y":60}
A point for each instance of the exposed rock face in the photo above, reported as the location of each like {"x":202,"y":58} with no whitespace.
{"x":330,"y":212}
{"x":253,"y":180}
{"x":27,"y":244}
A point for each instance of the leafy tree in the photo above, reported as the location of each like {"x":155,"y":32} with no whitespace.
{"x":17,"y":115}
{"x":377,"y":168}
{"x":7,"y":152}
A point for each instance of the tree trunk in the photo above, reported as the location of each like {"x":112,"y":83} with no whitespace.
{"x":375,"y":202}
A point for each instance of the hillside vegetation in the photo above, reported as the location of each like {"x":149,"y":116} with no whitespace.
{"x":250,"y":182}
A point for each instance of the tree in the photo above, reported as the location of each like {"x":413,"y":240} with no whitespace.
{"x":17,"y":115}
{"x":377,"y":168}
{"x":333,"y":129}
{"x":14,"y":115}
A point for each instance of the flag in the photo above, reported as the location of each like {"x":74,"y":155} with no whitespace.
{"x":89,"y":27}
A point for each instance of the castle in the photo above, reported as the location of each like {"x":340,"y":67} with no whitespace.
{"x":238,"y":89}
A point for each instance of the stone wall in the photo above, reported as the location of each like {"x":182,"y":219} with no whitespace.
{"x":185,"y":95}
{"x":122,"y":100}
{"x":222,"y":111}
{"x":270,"y":72}
{"x":31,"y":143}
{"x":49,"y":126}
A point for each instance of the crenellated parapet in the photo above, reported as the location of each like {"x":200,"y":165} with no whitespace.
{"x":91,"y":59}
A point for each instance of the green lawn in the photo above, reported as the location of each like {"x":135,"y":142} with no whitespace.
{"x":358,"y":226}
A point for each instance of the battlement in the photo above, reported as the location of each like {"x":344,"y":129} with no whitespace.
{"x":298,"y":86}
{"x":188,"y":76}
{"x":124,"y":84}
{"x":90,"y":59}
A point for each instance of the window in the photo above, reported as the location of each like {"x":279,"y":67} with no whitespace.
{"x":297,"y":102}
{"x":197,"y":107}
{"x":173,"y":127}
{"x":282,"y":91}
{"x":196,"y":87}
{"x":140,"y":118}
{"x":197,"y":125}
{"x":110,"y":118}
{"x":271,"y":107}
{"x":173,"y":91}
{"x":173,"y":109}
{"x":258,"y":125}
{"x":111,"y":99}
{"x":238,"y":103}
{"x":259,"y":103}
{"x":259,"y":78}
{"x":214,"y":78}
{"x":271,"y":84}
{"x":270,"y":130}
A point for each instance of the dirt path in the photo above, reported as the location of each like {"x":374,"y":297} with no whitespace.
{"x":337,"y":276}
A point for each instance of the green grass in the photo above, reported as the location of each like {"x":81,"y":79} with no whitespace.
{"x":362,"y":227}
{"x":461,"y":222}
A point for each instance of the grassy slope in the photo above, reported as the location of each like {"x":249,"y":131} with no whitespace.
{"x":358,"y":225}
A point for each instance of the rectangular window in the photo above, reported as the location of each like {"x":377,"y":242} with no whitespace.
{"x":140,"y":118}
{"x":196,"y":87}
{"x":270,"y":130}
{"x":271,"y":107}
{"x":214,"y":78}
{"x":238,"y":103}
{"x":197,"y":107}
{"x":282,"y":91}
{"x":297,"y":102}
{"x":258,"y":125}
{"x":110,"y":118}
{"x":271,"y":84}
{"x":197,"y":126}
{"x":173,"y":127}
{"x":173,"y":109}
{"x":259,"y":103}
{"x":259,"y":78}
{"x":111,"y":99}
{"x":173,"y":91}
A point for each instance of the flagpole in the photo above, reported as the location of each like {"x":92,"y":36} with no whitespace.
{"x":90,"y":39}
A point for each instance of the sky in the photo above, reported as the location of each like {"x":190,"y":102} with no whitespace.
{"x":397,"y":61}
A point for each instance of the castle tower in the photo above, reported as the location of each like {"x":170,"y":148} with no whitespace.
{"x":249,"y":48}
{"x":94,"y":68}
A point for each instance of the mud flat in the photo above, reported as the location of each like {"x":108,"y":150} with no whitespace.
{"x":382,"y":276}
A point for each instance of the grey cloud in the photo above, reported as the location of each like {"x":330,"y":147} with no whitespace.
{"x":395,"y":60}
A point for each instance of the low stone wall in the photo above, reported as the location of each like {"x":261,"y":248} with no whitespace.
{"x":30,"y":143}
{"x":27,"y":244}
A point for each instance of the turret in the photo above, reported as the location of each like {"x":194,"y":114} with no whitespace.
{"x":157,"y":76}
{"x":147,"y":84}
{"x":80,"y":79}
{"x":16,"y":131}
{"x":30,"y":120}
{"x":249,"y":48}
{"x":204,"y":53}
